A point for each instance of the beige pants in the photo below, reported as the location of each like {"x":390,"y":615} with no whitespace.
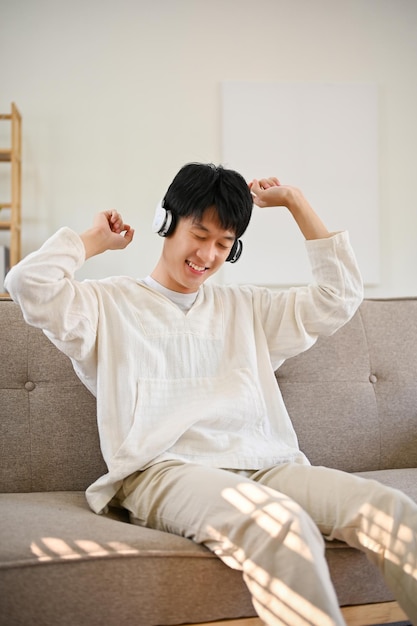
{"x":269,"y":524}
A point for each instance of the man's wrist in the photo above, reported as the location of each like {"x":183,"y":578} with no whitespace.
{"x":91,"y":240}
{"x":295,"y":201}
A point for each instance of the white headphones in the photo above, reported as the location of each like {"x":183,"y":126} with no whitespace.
{"x":164,"y":223}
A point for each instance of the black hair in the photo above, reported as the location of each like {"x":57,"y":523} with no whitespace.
{"x":198,"y":186}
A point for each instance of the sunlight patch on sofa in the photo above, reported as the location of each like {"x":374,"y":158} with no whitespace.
{"x":53,"y":548}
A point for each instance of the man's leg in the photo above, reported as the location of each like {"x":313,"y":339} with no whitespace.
{"x":250,"y":527}
{"x":380,"y":521}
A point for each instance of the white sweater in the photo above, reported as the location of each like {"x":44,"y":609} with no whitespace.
{"x":198,"y":386}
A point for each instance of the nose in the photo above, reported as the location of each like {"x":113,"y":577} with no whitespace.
{"x":207,"y":252}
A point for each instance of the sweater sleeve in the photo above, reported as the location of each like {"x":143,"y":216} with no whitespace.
{"x":44,"y":286}
{"x":292,"y":320}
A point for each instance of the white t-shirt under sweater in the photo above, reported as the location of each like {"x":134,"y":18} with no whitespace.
{"x":196,"y":386}
{"x":184,"y":300}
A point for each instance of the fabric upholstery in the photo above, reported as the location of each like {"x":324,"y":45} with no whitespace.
{"x":52,"y":542}
{"x":352,"y":399}
{"x":48,"y":436}
{"x":353,"y":396}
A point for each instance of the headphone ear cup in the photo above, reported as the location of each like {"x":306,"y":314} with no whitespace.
{"x":164,"y":221}
{"x":169,"y":225}
{"x":235,"y":252}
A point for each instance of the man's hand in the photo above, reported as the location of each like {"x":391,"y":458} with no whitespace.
{"x":268,"y":192}
{"x":108,"y":232}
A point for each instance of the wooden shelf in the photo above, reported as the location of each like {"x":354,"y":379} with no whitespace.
{"x":5,"y":155}
{"x":13,"y":156}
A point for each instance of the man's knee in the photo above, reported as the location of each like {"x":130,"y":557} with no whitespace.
{"x":261,"y":517}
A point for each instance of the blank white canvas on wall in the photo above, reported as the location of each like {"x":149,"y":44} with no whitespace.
{"x":320,"y":137}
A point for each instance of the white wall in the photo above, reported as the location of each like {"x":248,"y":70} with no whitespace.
{"x":117,"y":96}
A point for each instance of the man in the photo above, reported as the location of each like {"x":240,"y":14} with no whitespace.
{"x":193,"y":427}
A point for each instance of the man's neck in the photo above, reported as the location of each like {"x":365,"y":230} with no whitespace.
{"x":183,"y":300}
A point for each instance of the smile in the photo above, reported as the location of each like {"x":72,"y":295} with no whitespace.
{"x":196,"y":268}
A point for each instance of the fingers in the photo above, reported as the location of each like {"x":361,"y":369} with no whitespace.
{"x":266,"y":183}
{"x":256,"y":186}
{"x":118,"y":227}
{"x":257,"y":191}
{"x":268,"y":192}
{"x":121,"y":240}
{"x":115,"y":221}
{"x":128,"y":236}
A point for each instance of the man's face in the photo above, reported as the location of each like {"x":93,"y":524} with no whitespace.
{"x":196,"y":250}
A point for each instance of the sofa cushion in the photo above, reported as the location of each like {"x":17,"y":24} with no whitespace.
{"x":48,"y":429}
{"x":148,"y":573}
{"x":404,"y":479}
{"x":60,"y":558}
{"x":353,"y":396}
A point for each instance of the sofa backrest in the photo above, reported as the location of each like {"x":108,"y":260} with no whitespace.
{"x":353,"y":396}
{"x":352,"y":399}
{"x":48,"y":431}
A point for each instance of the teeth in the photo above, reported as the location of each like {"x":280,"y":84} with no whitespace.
{"x":195,"y":267}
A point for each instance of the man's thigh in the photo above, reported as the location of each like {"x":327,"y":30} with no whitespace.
{"x":198,"y":502}
{"x":332,"y":498}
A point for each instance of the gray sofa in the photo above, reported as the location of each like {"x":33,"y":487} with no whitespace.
{"x":353,"y":401}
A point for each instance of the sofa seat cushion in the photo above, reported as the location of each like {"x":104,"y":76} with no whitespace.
{"x":149,"y":573}
{"x":58,"y":558}
{"x":404,"y":479}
